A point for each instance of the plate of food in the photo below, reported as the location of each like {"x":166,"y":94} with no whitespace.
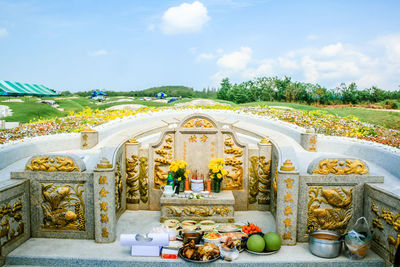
{"x":233,"y":235}
{"x":227,"y":228}
{"x":230,"y":244}
{"x":263,"y":253}
{"x":191,"y":252}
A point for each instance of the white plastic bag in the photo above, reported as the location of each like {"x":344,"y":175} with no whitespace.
{"x":358,"y":240}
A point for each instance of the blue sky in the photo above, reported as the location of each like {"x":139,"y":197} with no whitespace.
{"x":132,"y":45}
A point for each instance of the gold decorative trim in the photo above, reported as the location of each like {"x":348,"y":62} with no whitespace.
{"x":162,"y":162}
{"x":265,"y":141}
{"x":63,"y":207}
{"x":287,"y":166}
{"x":104,"y":164}
{"x":143,"y":180}
{"x":198,"y":211}
{"x":49,"y":164}
{"x":132,"y":179}
{"x":132,"y":141}
{"x":118,"y":186}
{"x":334,"y":217}
{"x":341,"y":167}
{"x":198,"y":123}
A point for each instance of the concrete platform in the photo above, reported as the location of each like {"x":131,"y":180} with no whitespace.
{"x":68,"y":252}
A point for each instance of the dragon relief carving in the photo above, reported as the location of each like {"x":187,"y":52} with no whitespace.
{"x":340,"y":167}
{"x":118,"y":187}
{"x":234,"y":179}
{"x":198,"y":123}
{"x":162,"y":162}
{"x":11,"y":224}
{"x":337,"y":216}
{"x":259,"y":180}
{"x":143,"y":180}
{"x":63,"y":207}
{"x":199,"y":211}
{"x":132,"y":179}
{"x":49,"y":164}
{"x":390,"y":219}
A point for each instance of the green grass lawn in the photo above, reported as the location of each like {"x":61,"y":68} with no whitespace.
{"x":30,"y":110}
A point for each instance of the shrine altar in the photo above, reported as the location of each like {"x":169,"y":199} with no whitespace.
{"x":219,"y":208}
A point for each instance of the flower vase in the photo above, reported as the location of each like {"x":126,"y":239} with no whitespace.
{"x":182,"y":185}
{"x":217,"y":185}
{"x":177,"y":186}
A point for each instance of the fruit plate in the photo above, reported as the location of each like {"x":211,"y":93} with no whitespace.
{"x":189,"y":260}
{"x":264,"y":253}
{"x":228,"y":228}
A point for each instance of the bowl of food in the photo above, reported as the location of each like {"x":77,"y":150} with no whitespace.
{"x":171,"y":223}
{"x":189,"y":236}
{"x":212,"y":237}
{"x":325,"y":244}
{"x":207,"y":225}
{"x":189,"y":225}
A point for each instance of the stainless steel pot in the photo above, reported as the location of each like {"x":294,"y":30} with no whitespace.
{"x":325,"y":244}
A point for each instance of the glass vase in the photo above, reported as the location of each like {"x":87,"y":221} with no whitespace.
{"x":182,"y":185}
{"x":177,"y":186}
{"x":217,"y":185}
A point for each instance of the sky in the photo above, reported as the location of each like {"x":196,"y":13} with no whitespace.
{"x":132,"y":45}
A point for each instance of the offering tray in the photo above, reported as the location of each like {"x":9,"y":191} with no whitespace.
{"x":189,"y":260}
{"x":264,"y":253}
{"x":223,"y":228}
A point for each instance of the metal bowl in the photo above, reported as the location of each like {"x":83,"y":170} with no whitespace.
{"x":325,"y":244}
{"x":188,"y":236}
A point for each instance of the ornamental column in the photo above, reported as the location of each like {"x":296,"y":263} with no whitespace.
{"x":105,"y":221}
{"x":132,"y":174}
{"x":308,"y":140}
{"x":287,"y":199}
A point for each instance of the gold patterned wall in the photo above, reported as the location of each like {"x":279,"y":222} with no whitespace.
{"x":52,"y":164}
{"x":132,"y":179}
{"x":259,"y":180}
{"x":118,"y":182}
{"x":341,"y":167}
{"x":11,"y":223}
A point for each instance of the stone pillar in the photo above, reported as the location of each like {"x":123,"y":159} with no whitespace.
{"x":2,"y":124}
{"x":287,"y":201}
{"x":132,"y":174}
{"x":308,"y":140}
{"x":89,"y":138}
{"x":264,"y":181}
{"x":144,"y":175}
{"x":105,"y":220}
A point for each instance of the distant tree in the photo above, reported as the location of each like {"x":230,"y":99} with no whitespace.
{"x":223,"y":91}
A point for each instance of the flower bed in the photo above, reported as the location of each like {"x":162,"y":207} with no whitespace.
{"x":322,"y":122}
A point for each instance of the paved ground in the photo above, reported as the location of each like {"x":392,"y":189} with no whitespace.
{"x":68,"y":252}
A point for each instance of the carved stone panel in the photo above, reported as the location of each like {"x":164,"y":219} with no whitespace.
{"x":163,"y":156}
{"x":233,"y":156}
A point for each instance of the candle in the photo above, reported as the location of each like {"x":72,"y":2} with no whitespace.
{"x":187,"y":184}
{"x":209,"y":187}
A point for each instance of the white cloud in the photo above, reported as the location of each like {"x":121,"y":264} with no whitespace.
{"x":3,"y":32}
{"x":375,"y":63}
{"x":97,"y":53}
{"x":236,"y":60}
{"x":185,"y":18}
{"x":151,"y":27}
{"x":312,"y":37}
{"x":205,"y":57}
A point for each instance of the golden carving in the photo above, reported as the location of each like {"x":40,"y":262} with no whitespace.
{"x":63,"y":207}
{"x":340,"y":167}
{"x":163,"y":162}
{"x":287,"y":166}
{"x":104,"y":206}
{"x":103,"y":180}
{"x":84,"y":137}
{"x":132,"y":179}
{"x":132,"y":141}
{"x":198,"y":123}
{"x":275,"y":184}
{"x":204,"y":138}
{"x":103,"y":192}
{"x":337,"y":216}
{"x":143,"y":180}
{"x":288,"y":210}
{"x":104,"y":218}
{"x":288,"y":197}
{"x":118,"y":187}
{"x":265,"y":141}
{"x":104,"y":164}
{"x":287,"y":236}
{"x":10,"y":217}
{"x":392,"y":220}
{"x":234,"y":180}
{"x":287,"y":222}
{"x":47,"y":163}
{"x":199,"y":211}
{"x":289,"y":183}
{"x":104,"y":232}
{"x":259,"y":179}
{"x":193,"y":139}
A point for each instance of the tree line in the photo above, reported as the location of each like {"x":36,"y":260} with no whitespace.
{"x":286,"y":90}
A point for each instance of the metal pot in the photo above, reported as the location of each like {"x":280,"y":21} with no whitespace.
{"x":325,"y":244}
{"x":187,"y":237}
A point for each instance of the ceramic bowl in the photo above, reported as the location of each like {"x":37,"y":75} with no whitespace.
{"x":189,"y":225}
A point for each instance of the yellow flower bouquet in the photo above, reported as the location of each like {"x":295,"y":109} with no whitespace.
{"x":217,"y":172}
{"x":178,"y":169}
